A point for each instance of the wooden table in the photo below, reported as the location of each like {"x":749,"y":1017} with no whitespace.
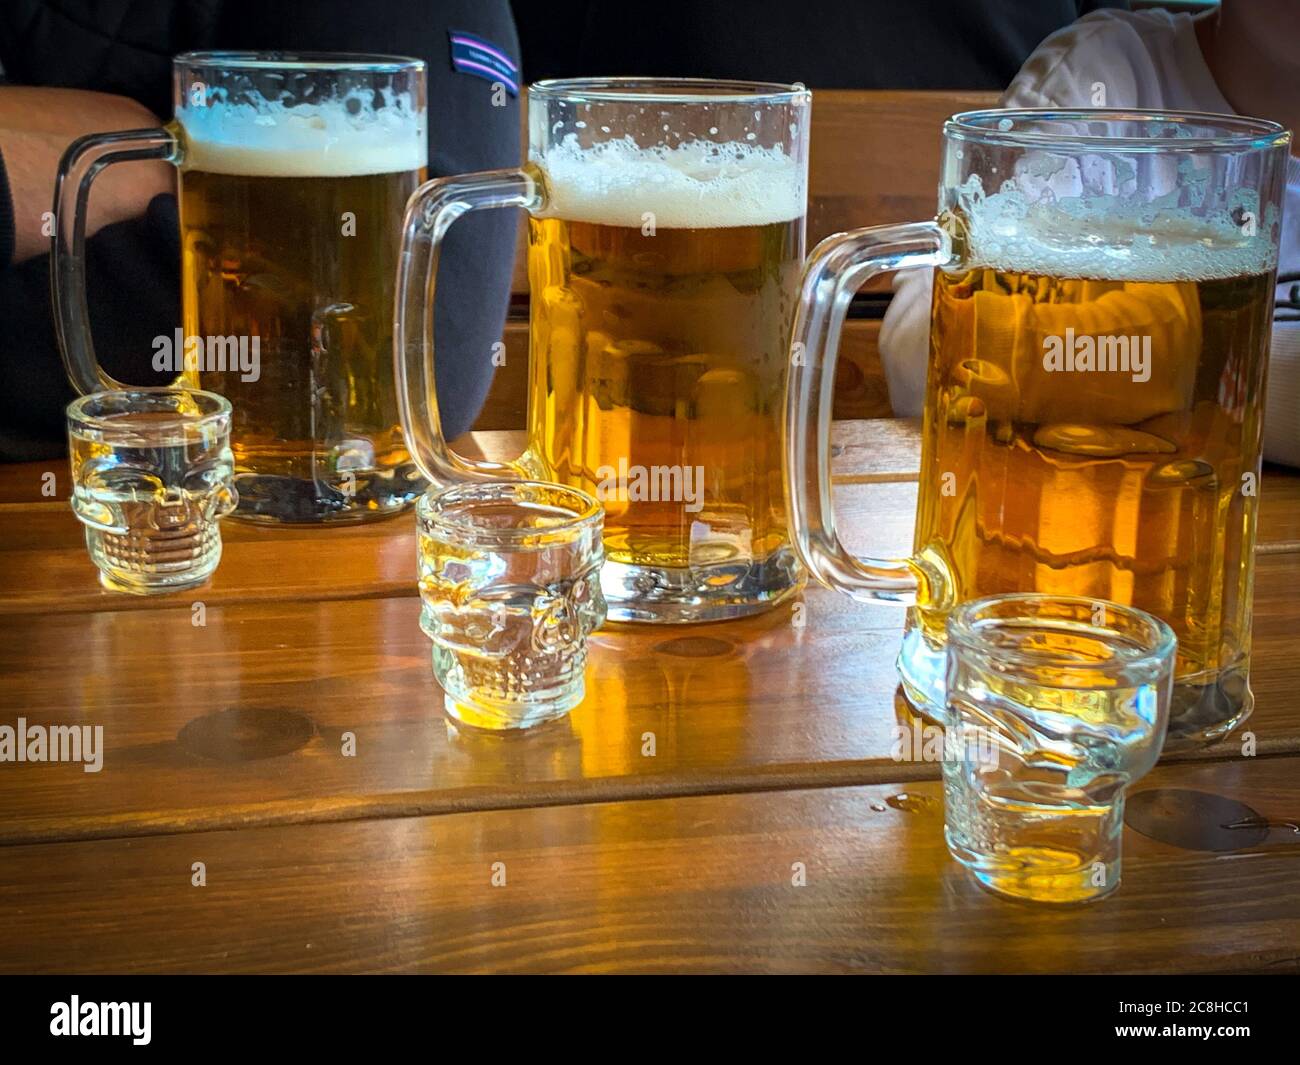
{"x":726,"y":797}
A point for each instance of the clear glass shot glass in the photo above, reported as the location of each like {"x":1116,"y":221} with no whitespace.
{"x":510,"y":579}
{"x":152,"y":474}
{"x":1056,"y":704}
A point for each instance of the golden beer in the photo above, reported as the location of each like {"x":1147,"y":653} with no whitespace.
{"x":1099,"y":436}
{"x":1092,"y":426}
{"x":291,"y":249}
{"x":664,"y":284}
{"x":657,"y":372}
{"x":294,"y":172}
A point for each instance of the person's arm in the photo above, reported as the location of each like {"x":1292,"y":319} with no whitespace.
{"x":36,"y":127}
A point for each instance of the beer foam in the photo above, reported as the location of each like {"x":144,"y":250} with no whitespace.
{"x":1113,"y":238}
{"x":333,"y":139}
{"x":696,"y":185}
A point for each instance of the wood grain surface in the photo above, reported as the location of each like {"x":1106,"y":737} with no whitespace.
{"x":307,"y":635}
{"x":700,"y":884}
{"x":44,"y":566}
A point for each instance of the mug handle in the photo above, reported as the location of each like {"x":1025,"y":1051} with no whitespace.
{"x":432,"y":209}
{"x":835,"y":270}
{"x":80,"y":164}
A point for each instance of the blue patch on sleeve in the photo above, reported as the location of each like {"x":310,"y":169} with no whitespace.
{"x":471,"y":54}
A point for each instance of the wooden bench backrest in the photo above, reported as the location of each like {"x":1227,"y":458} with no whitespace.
{"x":874,"y":160}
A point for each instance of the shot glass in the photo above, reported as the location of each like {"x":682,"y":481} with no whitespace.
{"x":1056,"y":704}
{"x":152,"y":475}
{"x":510,"y":581}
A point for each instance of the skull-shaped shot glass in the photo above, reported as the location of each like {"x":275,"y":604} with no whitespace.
{"x":1056,"y":704}
{"x":152,"y":474}
{"x":510,"y":581}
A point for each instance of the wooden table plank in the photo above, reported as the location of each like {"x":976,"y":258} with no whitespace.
{"x":729,"y":705}
{"x":49,"y":481}
{"x":242,"y":720}
{"x":316,"y":630}
{"x":44,"y":566}
{"x":700,"y":884}
{"x":1279,"y":508}
{"x":872,"y":448}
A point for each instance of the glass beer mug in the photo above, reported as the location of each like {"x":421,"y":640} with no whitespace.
{"x":666,"y":232}
{"x":294,"y":172}
{"x":1103,"y":293}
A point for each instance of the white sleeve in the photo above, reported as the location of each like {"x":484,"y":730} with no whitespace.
{"x":1101,"y":60}
{"x":1051,"y":77}
{"x":905,"y":341}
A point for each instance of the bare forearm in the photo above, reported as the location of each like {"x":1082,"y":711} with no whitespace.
{"x":36,"y":127}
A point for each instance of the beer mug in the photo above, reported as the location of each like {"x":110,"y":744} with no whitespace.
{"x":1103,"y":293}
{"x":666,"y":232}
{"x":293,"y":175}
